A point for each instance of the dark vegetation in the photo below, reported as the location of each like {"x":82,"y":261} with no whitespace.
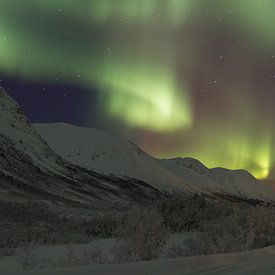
{"x":141,"y":237}
{"x":193,"y":212}
{"x":22,"y":223}
{"x":244,"y":229}
{"x":223,"y":226}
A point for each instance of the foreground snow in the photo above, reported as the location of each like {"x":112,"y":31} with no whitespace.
{"x":253,"y":262}
{"x":260,"y":261}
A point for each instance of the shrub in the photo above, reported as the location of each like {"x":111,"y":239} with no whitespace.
{"x":191,"y":213}
{"x":27,"y":256}
{"x":6,"y":252}
{"x":90,"y":256}
{"x":93,"y":255}
{"x":71,"y":259}
{"x":102,"y":226}
{"x":142,"y":236}
{"x":246,"y":229}
{"x":176,"y":250}
{"x":35,"y":222}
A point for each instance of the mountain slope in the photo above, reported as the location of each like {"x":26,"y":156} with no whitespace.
{"x":108,"y":154}
{"x":30,"y":169}
{"x":236,"y":182}
{"x":96,"y":150}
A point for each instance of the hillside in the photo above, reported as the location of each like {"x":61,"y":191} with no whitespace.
{"x":30,"y":169}
{"x":111,"y":155}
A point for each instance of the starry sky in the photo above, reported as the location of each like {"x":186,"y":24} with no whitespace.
{"x":178,"y":77}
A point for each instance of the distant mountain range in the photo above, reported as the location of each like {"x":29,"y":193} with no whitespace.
{"x":111,"y":155}
{"x":77,"y":166}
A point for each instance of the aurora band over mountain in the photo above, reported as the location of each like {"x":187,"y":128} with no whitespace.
{"x":166,"y":73}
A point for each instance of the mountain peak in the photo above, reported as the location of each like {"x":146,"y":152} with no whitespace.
{"x":191,"y":163}
{"x":10,"y":109}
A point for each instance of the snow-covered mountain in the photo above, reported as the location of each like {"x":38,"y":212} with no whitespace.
{"x":111,"y":155}
{"x":81,"y":165}
{"x":235,"y":182}
{"x":30,"y":169}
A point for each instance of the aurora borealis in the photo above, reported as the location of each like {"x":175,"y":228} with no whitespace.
{"x":178,"y":77}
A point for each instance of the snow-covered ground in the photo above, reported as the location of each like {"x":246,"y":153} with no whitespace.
{"x":260,"y":261}
{"x":55,"y":255}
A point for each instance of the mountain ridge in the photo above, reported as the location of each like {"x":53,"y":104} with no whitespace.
{"x":30,"y":169}
{"x":98,"y":169}
{"x":117,"y":156}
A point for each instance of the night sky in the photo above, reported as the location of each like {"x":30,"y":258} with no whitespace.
{"x":179,"y":77}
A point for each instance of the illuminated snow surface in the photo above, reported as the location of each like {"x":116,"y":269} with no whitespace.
{"x":260,"y":261}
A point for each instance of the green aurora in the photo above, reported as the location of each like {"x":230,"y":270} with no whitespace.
{"x":184,"y":78}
